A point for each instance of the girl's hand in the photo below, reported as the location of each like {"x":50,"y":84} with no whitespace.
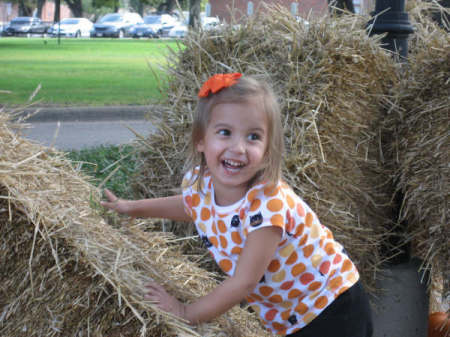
{"x":157,"y":294}
{"x":114,"y":203}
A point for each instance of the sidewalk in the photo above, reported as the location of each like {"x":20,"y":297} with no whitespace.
{"x":87,"y":113}
{"x":78,"y":128}
{"x":401,"y":310}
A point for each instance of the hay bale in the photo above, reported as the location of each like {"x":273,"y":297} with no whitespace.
{"x":66,"y":272}
{"x":420,"y":148}
{"x":330,"y":78}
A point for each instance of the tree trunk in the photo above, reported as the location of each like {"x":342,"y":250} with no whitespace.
{"x":57,"y":16}
{"x":76,"y":7}
{"x":167,"y":6}
{"x":138,"y":6}
{"x":194,"y":14}
{"x":24,"y":9}
{"x":40,"y":4}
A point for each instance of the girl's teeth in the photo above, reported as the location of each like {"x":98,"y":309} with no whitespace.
{"x":233,"y":164}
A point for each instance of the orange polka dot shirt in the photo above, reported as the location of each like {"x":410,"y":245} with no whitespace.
{"x":309,"y":269}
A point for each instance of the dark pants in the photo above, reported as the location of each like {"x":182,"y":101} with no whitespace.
{"x":348,"y":316}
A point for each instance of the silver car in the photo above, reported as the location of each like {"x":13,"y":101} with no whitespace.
{"x":115,"y":25}
{"x":153,"y":25}
{"x":23,"y":25}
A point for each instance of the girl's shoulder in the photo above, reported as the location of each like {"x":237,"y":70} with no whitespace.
{"x":195,"y":181}
{"x":279,"y":196}
{"x":189,"y":178}
{"x":264,"y":191}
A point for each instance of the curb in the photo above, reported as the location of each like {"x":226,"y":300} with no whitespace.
{"x":70,"y":114}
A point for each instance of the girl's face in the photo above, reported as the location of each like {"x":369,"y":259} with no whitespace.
{"x":234,"y":146}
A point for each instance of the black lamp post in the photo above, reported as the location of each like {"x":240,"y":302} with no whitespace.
{"x":390,"y":17}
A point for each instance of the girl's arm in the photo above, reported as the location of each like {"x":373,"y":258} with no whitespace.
{"x":253,"y":262}
{"x":168,"y":208}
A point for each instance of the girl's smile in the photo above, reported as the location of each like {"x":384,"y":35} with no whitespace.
{"x":234,"y":146}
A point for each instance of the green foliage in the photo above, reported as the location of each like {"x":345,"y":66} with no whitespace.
{"x":92,"y":12}
{"x":203,"y":4}
{"x":117,"y":164}
{"x":112,"y":4}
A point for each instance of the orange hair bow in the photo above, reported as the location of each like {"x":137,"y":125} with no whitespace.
{"x":217,"y":82}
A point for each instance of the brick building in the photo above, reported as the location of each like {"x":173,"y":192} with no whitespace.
{"x":48,"y":11}
{"x":222,"y":8}
{"x":8,"y":11}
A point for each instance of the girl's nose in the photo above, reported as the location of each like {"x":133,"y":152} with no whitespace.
{"x":239,"y":145}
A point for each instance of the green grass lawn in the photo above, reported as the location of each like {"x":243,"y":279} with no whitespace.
{"x":81,"y":71}
{"x":117,"y":163}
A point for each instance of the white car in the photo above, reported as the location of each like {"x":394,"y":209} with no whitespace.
{"x":209,"y":22}
{"x":181,"y":29}
{"x":72,"y":27}
{"x":304,"y":22}
{"x":2,"y":27}
{"x":178,"y":31}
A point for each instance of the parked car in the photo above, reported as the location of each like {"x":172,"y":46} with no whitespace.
{"x":178,"y":31}
{"x":181,"y":21}
{"x":72,"y":27}
{"x":181,"y":30}
{"x":153,"y":25}
{"x":115,"y":25}
{"x":2,"y":28}
{"x":209,"y":22}
{"x":22,"y":25}
{"x":302,"y":21}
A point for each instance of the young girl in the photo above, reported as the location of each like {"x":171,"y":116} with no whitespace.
{"x":276,"y":253}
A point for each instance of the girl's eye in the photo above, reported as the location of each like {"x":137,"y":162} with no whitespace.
{"x":254,"y":136}
{"x":224,"y":132}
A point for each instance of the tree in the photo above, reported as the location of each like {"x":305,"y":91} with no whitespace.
{"x":25,"y":8}
{"x":167,"y":6}
{"x":113,"y":4}
{"x":56,"y":15}
{"x":194,"y":10}
{"x":136,"y":5}
{"x":40,"y":4}
{"x":76,"y":7}
{"x":194,"y":13}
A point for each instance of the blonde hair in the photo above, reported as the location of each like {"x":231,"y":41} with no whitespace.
{"x":245,"y":89}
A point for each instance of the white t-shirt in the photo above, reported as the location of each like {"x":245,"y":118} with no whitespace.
{"x":309,"y":269}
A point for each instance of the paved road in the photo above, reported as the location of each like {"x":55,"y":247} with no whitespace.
{"x":70,"y":135}
{"x":401,"y":311}
{"x":75,"y":128}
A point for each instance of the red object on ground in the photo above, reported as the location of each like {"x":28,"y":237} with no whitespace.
{"x":438,"y":325}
